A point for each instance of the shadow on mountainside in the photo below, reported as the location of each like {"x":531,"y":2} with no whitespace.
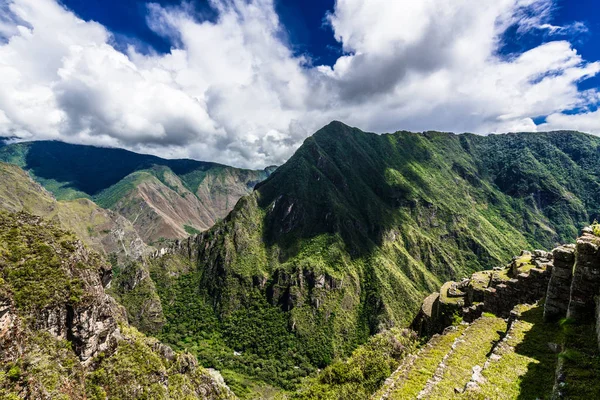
{"x":88,"y":169}
{"x":361,"y":186}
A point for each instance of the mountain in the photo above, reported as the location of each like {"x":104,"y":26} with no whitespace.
{"x":102,"y":230}
{"x":346,"y":239}
{"x":62,"y":336}
{"x":164,"y":199}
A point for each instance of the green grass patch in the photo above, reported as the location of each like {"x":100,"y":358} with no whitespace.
{"x":527,"y":364}
{"x":472,"y":351}
{"x":581,"y":362}
{"x":409,"y":386}
{"x":190,"y":230}
{"x":596,"y":229}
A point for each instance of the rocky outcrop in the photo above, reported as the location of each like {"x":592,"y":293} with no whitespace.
{"x":586,"y":278}
{"x":11,"y":331}
{"x":87,"y":317}
{"x":135,"y":290}
{"x":54,"y":312}
{"x":292,"y":289}
{"x":559,"y":288}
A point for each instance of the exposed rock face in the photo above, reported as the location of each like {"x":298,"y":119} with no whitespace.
{"x":290,"y":290}
{"x":135,"y":290}
{"x":11,"y":332}
{"x":559,"y":288}
{"x":586,"y":278}
{"x":54,"y":312}
{"x":90,"y":322}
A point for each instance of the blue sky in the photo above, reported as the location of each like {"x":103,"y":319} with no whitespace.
{"x":244,"y":82}
{"x":308,"y":31}
{"x":303,"y":20}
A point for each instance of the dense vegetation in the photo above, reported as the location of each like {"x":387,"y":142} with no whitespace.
{"x":251,"y":347}
{"x":46,"y":278}
{"x":32,"y":263}
{"x":349,"y":235}
{"x":364,"y":371}
{"x":162,"y":198}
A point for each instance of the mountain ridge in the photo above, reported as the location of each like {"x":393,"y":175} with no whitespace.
{"x":347,"y":237}
{"x":185,"y":196}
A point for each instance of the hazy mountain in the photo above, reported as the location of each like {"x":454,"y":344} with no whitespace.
{"x":102,"y":230}
{"x":162,"y":198}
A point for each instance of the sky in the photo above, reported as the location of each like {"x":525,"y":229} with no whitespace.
{"x":245,"y":82}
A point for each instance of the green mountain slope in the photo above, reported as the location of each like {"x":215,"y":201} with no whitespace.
{"x":102,"y":230}
{"x":63,"y":337}
{"x":163,"y":198}
{"x":348,"y":237}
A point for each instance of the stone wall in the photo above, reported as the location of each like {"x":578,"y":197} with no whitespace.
{"x":497,"y":291}
{"x":559,"y":288}
{"x":585,"y":285}
{"x":525,"y":288}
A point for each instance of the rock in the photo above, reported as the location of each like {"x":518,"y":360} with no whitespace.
{"x":164,"y":350}
{"x":540,"y":254}
{"x":586,"y":279}
{"x":558,"y":291}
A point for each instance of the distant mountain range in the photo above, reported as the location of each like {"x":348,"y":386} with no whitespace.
{"x":163,"y":199}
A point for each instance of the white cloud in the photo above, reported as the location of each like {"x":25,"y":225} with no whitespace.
{"x":232,"y":91}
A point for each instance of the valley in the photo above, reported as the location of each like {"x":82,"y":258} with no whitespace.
{"x":290,"y":289}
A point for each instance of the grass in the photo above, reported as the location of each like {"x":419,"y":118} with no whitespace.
{"x":472,"y":351}
{"x":527,"y":364}
{"x":446,"y":299}
{"x":581,"y":362}
{"x":408,"y":387}
{"x":481,"y":280}
{"x":191,"y":230}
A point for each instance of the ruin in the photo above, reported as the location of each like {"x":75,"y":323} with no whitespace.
{"x":568,"y":278}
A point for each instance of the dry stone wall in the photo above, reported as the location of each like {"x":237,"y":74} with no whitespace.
{"x":559,"y":288}
{"x":586,"y":278}
{"x":568,"y":278}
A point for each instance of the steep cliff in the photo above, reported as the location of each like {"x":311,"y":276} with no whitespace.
{"x":62,"y":336}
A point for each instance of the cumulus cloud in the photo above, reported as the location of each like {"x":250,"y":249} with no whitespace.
{"x":232,"y":90}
